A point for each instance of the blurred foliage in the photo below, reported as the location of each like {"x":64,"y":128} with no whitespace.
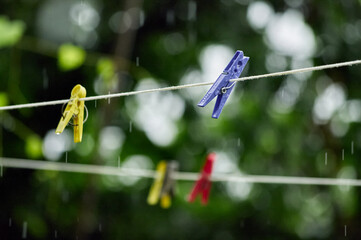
{"x":106,"y":69}
{"x":3,"y":99}
{"x":283,"y":126}
{"x":33,"y":147}
{"x":10,"y":31}
{"x":70,"y":57}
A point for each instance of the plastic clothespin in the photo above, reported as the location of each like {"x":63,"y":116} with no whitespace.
{"x":163,"y":187}
{"x":168,"y":189}
{"x":222,"y":86}
{"x":203,"y":184}
{"x":156,"y":188}
{"x":75,"y":109}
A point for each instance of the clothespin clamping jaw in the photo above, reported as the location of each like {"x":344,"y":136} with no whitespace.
{"x":163,"y":187}
{"x":75,"y":110}
{"x":223,"y":87}
{"x":203,"y":185}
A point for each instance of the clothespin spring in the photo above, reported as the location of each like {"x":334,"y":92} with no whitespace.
{"x":70,"y":123}
{"x":224,"y":89}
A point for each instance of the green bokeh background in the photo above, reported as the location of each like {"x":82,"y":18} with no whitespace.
{"x":268,"y":127}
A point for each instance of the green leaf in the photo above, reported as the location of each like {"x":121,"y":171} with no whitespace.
{"x":70,"y":57}
{"x":3,"y":99}
{"x":10,"y":32}
{"x":33,"y":146}
{"x":106,"y":69}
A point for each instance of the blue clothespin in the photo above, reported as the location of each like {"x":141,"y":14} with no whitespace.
{"x":223,"y":87}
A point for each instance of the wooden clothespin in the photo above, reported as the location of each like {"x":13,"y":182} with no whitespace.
{"x":75,"y":109}
{"x":203,"y":184}
{"x":163,"y":185}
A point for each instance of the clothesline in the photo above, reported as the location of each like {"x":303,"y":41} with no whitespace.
{"x":172,"y":88}
{"x":184,"y":176}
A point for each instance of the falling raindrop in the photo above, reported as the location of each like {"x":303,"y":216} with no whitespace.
{"x":343,"y":154}
{"x":326,"y":158}
{"x":95,"y":103}
{"x":10,"y":222}
{"x":25,"y":229}
{"x":192,"y":11}
{"x":66,"y":157}
{"x":352,"y":147}
{"x":141,"y":18}
{"x":56,"y":234}
{"x":170,"y":17}
{"x":137,"y":61}
{"x":109,"y":98}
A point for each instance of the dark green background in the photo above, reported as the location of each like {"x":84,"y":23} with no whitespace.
{"x":82,"y":206}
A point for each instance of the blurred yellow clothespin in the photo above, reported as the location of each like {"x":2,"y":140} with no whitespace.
{"x":156,"y":188}
{"x":75,"y":109}
{"x":168,"y":189}
{"x":163,"y":186}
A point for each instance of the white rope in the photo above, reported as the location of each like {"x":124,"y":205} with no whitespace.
{"x":300,"y":70}
{"x":172,"y":88}
{"x":185,"y":176}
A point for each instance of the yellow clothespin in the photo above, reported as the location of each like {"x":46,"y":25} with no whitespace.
{"x":168,"y":189}
{"x":163,"y":186}
{"x":156,"y":188}
{"x":75,"y":109}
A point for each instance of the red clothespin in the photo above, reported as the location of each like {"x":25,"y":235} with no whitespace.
{"x":203,"y":185}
